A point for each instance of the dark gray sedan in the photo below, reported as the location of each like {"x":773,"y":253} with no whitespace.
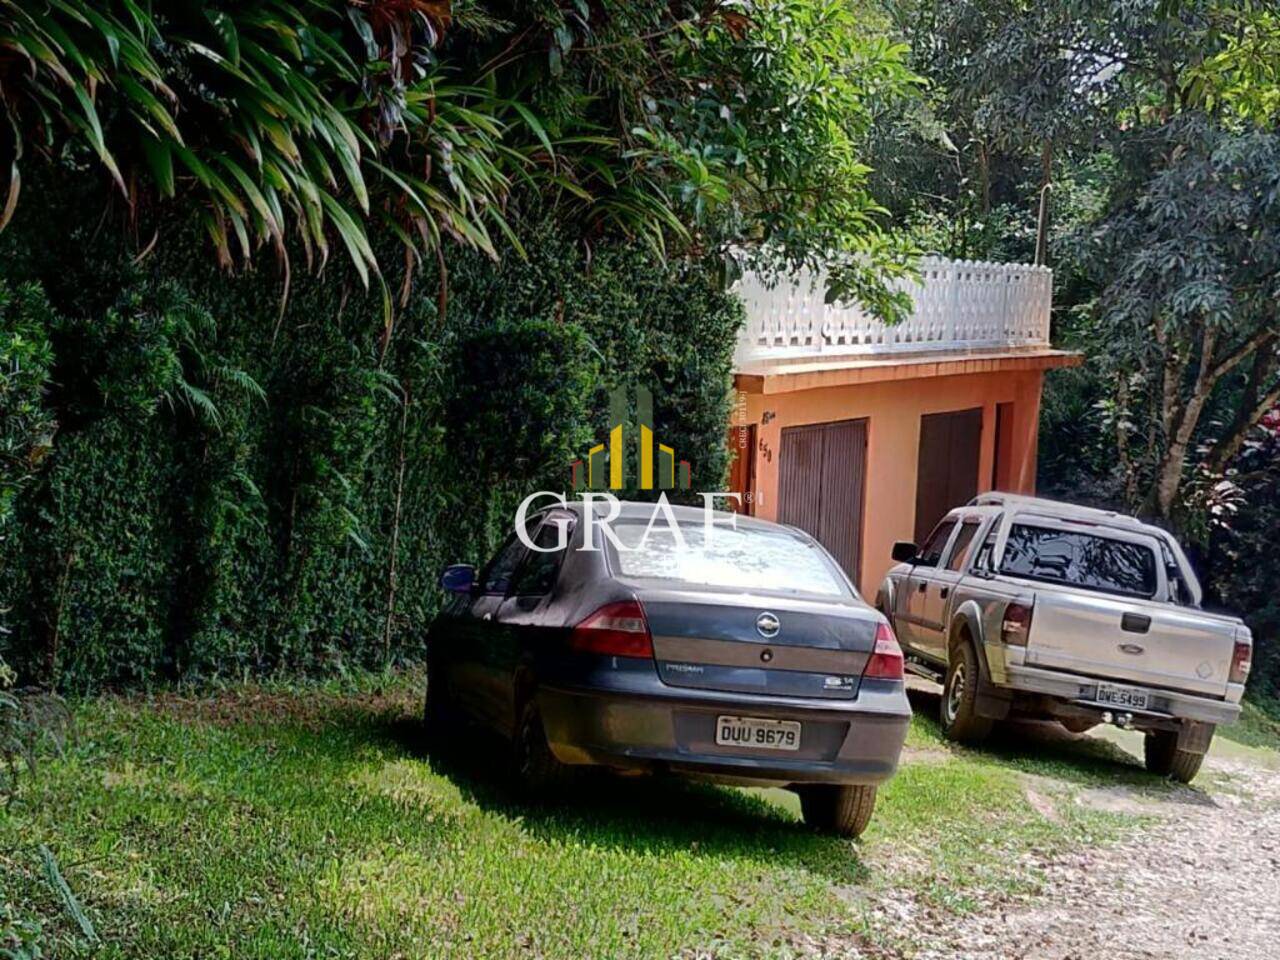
{"x":740,"y":655}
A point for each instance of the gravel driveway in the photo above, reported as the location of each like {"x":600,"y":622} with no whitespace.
{"x":1202,"y":883}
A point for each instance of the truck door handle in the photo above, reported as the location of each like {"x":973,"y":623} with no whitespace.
{"x":1135,"y":622}
{"x":944,"y":592}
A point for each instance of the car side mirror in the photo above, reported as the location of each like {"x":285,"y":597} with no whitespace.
{"x":904,"y":551}
{"x":458,"y":578}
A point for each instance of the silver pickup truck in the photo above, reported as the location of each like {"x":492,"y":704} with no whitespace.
{"x":1029,"y":607}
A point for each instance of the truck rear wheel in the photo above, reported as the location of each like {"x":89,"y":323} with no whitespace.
{"x":960,"y":719}
{"x":841,"y":809}
{"x":1164,"y":759}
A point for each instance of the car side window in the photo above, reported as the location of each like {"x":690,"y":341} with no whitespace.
{"x":931,"y":552}
{"x":985,"y":558}
{"x":537,"y":575}
{"x":497,"y":575}
{"x":960,"y":549}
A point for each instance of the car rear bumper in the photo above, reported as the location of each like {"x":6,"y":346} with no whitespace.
{"x":1082,"y":690}
{"x":634,"y":722}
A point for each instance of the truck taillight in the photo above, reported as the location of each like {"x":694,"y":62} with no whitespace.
{"x":1016,"y":624}
{"x":1241,"y":661}
{"x":615,"y":630}
{"x":885,"y":662}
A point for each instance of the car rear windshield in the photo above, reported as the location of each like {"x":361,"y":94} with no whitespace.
{"x":1080,"y":559}
{"x":746,"y":559}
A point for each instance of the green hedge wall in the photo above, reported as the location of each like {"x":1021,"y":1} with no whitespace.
{"x":220,"y":495}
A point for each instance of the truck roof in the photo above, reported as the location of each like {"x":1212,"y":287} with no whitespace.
{"x":1058,"y":508}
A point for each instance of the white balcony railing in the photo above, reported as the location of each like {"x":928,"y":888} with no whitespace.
{"x":958,"y":305}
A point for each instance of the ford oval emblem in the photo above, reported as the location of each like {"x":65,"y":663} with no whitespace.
{"x":767,"y":625}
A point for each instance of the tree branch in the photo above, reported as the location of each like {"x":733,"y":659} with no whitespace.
{"x":1233,"y":359}
{"x":1253,"y":405}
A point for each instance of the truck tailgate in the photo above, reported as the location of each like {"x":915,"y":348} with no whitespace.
{"x":1103,"y":636}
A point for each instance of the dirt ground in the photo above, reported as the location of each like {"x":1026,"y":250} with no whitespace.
{"x":1202,"y":882}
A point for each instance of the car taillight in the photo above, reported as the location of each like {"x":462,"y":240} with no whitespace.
{"x":615,"y":630}
{"x":1241,"y":662}
{"x":1016,"y":624}
{"x":885,"y":662}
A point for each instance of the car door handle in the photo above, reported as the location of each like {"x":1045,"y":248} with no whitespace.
{"x":921,"y":587}
{"x":944,"y":592}
{"x":1135,"y":623}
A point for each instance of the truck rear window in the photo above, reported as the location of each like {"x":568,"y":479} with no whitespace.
{"x":1080,"y":559}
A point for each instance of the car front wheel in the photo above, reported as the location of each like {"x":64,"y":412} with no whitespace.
{"x":960,"y":719}
{"x":439,"y":717}
{"x":841,"y":809}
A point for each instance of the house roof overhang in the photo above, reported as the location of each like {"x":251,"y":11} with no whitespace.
{"x":788,"y":376}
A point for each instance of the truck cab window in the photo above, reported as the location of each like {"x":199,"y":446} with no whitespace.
{"x":931,"y":552}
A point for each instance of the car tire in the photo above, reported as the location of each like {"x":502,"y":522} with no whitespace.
{"x":1164,"y":759}
{"x":959,"y":708}
{"x":841,"y":809}
{"x":538,"y":775}
{"x":439,"y":715}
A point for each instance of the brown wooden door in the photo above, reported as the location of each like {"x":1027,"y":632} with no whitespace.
{"x":822,"y":472}
{"x":947,"y":468}
{"x":1002,"y":460}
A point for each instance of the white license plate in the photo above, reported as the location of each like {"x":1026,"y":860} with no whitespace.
{"x":757,"y":732}
{"x":1114,"y":696}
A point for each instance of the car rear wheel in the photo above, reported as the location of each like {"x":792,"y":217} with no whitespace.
{"x":959,"y":713}
{"x":1164,"y":759}
{"x":841,"y":809}
{"x":539,"y":775}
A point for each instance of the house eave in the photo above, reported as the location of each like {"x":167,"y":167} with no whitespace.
{"x":814,"y":373}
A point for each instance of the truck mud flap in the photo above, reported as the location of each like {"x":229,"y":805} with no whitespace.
{"x":1194,"y":736}
{"x":993,"y":703}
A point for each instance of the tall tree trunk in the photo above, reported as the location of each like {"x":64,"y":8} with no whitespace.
{"x":1260,"y":395}
{"x":395,"y":532}
{"x":1181,"y":422}
{"x":984,"y":178}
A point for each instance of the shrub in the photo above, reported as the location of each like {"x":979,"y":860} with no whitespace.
{"x":233,"y":491}
{"x":26,"y":424}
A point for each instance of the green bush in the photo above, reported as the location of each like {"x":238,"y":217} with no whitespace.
{"x":26,"y":425}
{"x":227,"y":481}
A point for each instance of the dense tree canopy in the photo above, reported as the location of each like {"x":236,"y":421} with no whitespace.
{"x":302,"y":125}
{"x":1146,"y":126}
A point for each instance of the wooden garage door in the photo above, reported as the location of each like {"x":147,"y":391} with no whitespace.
{"x":822,"y":473}
{"x":947,"y":469}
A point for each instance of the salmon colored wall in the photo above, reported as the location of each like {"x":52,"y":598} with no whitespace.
{"x":893,"y":409}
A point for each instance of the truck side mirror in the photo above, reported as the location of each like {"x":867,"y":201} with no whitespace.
{"x":458,"y":578}
{"x":904,"y":551}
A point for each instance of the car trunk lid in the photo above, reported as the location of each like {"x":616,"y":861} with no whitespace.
{"x":758,"y":643}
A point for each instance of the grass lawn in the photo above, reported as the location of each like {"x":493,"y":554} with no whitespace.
{"x":308,"y":823}
{"x":1259,"y":724}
